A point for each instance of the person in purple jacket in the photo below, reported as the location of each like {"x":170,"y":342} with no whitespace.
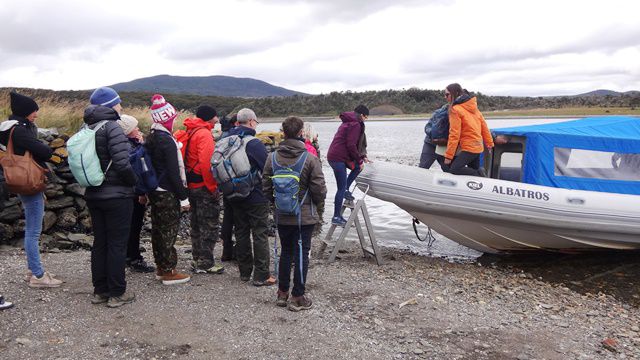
{"x":348,"y":150}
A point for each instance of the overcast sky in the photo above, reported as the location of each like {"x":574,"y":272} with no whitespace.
{"x":542,"y":47}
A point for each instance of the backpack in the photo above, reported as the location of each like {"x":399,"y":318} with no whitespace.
{"x":440,"y":125}
{"x":286,"y":185}
{"x":141,"y":163}
{"x":231,"y":167}
{"x":184,"y":137}
{"x":83,"y":157}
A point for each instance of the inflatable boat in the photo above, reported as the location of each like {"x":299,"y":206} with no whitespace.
{"x":571,"y":186}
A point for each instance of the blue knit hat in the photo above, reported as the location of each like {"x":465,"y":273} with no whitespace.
{"x":105,"y":96}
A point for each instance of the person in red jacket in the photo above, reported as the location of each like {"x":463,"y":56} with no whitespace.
{"x":204,"y":196}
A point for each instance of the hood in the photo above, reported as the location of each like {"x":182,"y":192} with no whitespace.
{"x":291,"y":148}
{"x":7,"y":124}
{"x":96,"y":113}
{"x":468,"y":103}
{"x":349,"y":116}
{"x":195,"y":123}
{"x":240,"y":129}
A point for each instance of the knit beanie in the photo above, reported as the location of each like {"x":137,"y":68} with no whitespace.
{"x":206,"y":112}
{"x":127,"y":123}
{"x":105,"y":96}
{"x":362,"y":110}
{"x":162,"y":112}
{"x":22,"y":105}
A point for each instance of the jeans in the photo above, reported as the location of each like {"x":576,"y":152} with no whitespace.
{"x":343,"y":183}
{"x":111,"y":221}
{"x":428,"y":155}
{"x":33,"y":213}
{"x":252,"y":219}
{"x":465,"y":163}
{"x":137,"y":218}
{"x":290,"y":253}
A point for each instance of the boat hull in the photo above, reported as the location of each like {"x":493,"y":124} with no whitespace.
{"x":492,"y":215}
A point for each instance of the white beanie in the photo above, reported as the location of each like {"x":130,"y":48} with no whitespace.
{"x":127,"y":123}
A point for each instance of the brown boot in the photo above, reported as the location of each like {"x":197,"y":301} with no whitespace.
{"x":298,"y":303}
{"x":174,"y":277}
{"x":282,"y":298}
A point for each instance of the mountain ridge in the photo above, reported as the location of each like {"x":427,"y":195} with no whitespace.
{"x":215,"y":85}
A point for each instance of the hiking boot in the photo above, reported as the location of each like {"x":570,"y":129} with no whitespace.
{"x":268,"y":282}
{"x":283,"y":296}
{"x":348,"y":196}
{"x":298,"y":303}
{"x":99,"y":298}
{"x":46,"y":281}
{"x":215,"y":269}
{"x":140,"y":266}
{"x":4,"y":304}
{"x":338,"y":221}
{"x":127,"y":298}
{"x":174,"y":277}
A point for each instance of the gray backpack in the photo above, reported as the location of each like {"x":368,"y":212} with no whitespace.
{"x":231,"y":167}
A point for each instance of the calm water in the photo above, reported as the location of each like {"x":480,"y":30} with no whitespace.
{"x":397,"y":141}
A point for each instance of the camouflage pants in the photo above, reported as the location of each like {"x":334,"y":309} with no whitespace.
{"x":165,"y":222}
{"x":205,"y":229}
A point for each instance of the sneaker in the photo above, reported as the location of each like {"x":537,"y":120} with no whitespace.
{"x":338,"y":221}
{"x":348,"y":196}
{"x":174,"y":277}
{"x":140,"y":266}
{"x":268,"y":282}
{"x":99,"y":299}
{"x":5,"y":304}
{"x":46,"y":281}
{"x":215,"y":269}
{"x":127,"y":298}
{"x":282,"y":298}
{"x":298,"y":303}
{"x":27,"y":277}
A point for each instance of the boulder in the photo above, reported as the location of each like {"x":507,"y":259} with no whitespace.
{"x":6,"y":233}
{"x":19,"y":227}
{"x":50,"y":219}
{"x":81,"y":203}
{"x":86,"y":223}
{"x":42,"y":132}
{"x":61,"y":152}
{"x":67,"y":218}
{"x":11,"y":213}
{"x":59,"y":203}
{"x":54,"y":190}
{"x":57,"y":143}
{"x":75,"y":189}
{"x":82,"y":240}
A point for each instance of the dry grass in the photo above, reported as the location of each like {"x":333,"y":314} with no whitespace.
{"x":67,"y":117}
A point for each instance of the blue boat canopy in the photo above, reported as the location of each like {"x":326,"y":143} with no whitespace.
{"x":597,"y":153}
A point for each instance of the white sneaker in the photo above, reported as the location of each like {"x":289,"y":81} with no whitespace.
{"x":46,"y":281}
{"x":28,"y":276}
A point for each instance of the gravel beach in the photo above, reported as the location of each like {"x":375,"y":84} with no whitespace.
{"x":411,"y":307}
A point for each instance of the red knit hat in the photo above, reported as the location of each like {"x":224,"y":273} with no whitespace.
{"x":161,"y":111}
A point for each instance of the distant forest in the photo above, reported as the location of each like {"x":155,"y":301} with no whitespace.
{"x":387,"y":102}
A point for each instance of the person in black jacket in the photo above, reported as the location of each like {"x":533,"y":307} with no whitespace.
{"x":25,"y":138}
{"x":171,"y":194}
{"x":110,"y":204}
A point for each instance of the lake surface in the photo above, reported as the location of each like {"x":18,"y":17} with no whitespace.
{"x":398,"y":141}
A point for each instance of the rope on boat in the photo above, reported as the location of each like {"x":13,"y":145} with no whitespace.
{"x":428,"y":237}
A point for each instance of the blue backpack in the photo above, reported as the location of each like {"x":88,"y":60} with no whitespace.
{"x":286,"y":186}
{"x":440,"y":123}
{"x":142,"y":166}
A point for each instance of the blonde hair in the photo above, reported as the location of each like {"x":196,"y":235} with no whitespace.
{"x":308,"y":132}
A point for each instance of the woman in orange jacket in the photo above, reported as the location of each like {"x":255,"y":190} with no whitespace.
{"x":468,"y":133}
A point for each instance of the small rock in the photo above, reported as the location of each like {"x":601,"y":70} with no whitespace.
{"x":610,"y":344}
{"x":24,"y":341}
{"x":418,"y":351}
{"x":634,"y":328}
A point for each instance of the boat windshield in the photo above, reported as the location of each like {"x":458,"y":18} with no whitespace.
{"x":593,"y":164}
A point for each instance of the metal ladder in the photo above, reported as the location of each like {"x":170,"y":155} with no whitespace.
{"x":369,"y":246}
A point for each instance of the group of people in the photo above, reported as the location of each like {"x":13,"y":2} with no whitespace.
{"x":182,"y":162}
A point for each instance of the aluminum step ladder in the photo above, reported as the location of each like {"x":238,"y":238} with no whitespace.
{"x":369,"y":245}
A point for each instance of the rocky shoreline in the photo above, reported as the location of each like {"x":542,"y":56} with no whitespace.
{"x":411,"y":307}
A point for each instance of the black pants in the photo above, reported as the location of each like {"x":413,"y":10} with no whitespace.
{"x":226,"y":232}
{"x":111,"y":221}
{"x":465,"y":163}
{"x":289,"y":236}
{"x":428,"y":155}
{"x":252,"y":226}
{"x":137,"y":218}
